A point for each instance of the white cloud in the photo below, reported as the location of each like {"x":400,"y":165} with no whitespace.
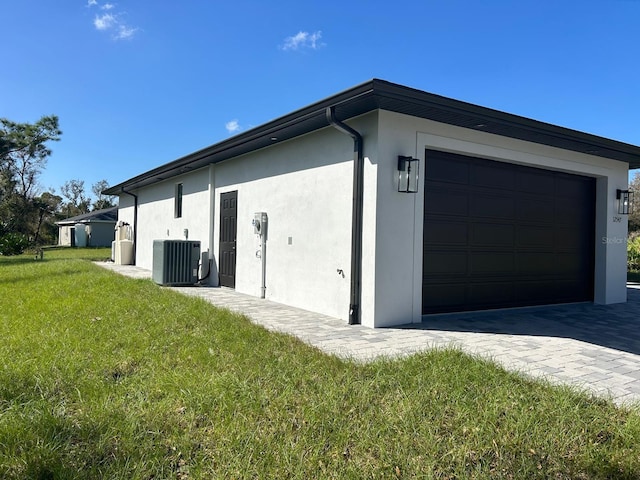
{"x":232,"y":126}
{"x":125,"y":32}
{"x":105,"y":22}
{"x":303,"y":40}
{"x":112,"y":21}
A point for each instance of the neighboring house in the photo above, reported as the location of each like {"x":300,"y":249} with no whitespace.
{"x":100,"y":232}
{"x":508,"y":211}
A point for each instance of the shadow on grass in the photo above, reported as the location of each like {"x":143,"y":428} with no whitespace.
{"x":57,"y":254}
{"x":614,"y":326}
{"x":32,"y":277}
{"x":17,"y":260}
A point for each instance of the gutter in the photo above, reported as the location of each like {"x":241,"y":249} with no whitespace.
{"x":356,"y":216}
{"x":135,"y":221}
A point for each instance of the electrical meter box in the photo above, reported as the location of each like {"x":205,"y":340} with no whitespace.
{"x":260,"y":222}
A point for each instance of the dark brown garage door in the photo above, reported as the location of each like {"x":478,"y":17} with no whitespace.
{"x":502,"y":235}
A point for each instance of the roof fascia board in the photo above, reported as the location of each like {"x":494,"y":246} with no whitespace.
{"x":410,"y":95}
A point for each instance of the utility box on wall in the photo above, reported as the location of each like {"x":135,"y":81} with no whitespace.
{"x":175,"y":262}
{"x":260,"y":223}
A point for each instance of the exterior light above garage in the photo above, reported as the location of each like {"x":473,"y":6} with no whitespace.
{"x":408,"y":174}
{"x":625,"y":201}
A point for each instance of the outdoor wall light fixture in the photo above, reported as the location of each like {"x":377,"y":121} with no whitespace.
{"x":625,"y":201}
{"x":408,"y":174}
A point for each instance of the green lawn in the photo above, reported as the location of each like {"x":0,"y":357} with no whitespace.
{"x":108,"y":377}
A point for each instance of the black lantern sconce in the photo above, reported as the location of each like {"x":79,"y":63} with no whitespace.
{"x":408,"y":174}
{"x":625,"y":201}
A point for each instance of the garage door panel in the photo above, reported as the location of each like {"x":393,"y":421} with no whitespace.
{"x":567,"y":238}
{"x":535,"y":209}
{"x":536,"y":292}
{"x":491,"y":263}
{"x":486,"y":174}
{"x":492,"y":206}
{"x":441,"y":296}
{"x":572,"y":213}
{"x":571,"y":187}
{"x":571,"y":290}
{"x":492,"y":234}
{"x":512,"y":236}
{"x":535,"y":236}
{"x":446,"y":202}
{"x":536,"y":263}
{"x":571,"y":264}
{"x":533,"y":180}
{"x":448,"y":168}
{"x":491,"y":294}
{"x":445,"y":263}
{"x":446,"y":232}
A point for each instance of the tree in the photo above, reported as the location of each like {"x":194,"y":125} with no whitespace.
{"x":77,"y":200}
{"x":5,"y":146}
{"x":23,"y":155}
{"x":48,"y":205}
{"x":634,"y":217}
{"x":24,"y":151}
{"x":102,"y":200}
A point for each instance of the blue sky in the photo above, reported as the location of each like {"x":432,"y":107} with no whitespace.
{"x":138,"y":83}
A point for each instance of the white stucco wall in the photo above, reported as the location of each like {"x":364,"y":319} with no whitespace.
{"x":125,"y":208}
{"x":156,"y":219}
{"x":305,"y":186}
{"x":400,"y":216}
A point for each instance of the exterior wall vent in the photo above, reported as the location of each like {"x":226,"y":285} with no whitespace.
{"x":175,"y":262}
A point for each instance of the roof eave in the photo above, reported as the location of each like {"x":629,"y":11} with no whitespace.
{"x":380,"y":94}
{"x":264,"y":135}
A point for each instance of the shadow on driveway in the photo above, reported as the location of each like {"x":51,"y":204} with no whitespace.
{"x":613,"y":326}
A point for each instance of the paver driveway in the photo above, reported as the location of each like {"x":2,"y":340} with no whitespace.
{"x":596,"y":347}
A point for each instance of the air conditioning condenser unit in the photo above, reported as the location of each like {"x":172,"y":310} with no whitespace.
{"x":175,"y":262}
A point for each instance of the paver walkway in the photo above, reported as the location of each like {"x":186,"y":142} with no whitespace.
{"x":596,"y":347}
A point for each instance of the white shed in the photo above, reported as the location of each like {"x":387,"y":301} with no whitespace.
{"x":99,"y":228}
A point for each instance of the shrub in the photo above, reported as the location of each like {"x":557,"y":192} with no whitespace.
{"x":13,"y":244}
{"x":633,"y":252}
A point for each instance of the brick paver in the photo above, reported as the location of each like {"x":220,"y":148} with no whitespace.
{"x":595,"y":347}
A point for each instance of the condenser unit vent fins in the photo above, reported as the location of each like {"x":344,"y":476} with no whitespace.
{"x":175,"y":262}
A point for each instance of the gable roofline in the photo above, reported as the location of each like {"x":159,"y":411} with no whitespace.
{"x":380,"y":94}
{"x":106,"y":215}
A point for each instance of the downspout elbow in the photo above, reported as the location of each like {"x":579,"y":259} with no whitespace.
{"x":347,"y":130}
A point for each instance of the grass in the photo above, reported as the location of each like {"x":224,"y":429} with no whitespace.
{"x":107,"y":377}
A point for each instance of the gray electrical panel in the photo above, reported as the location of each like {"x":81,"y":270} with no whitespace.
{"x":175,"y":262}
{"x":260,"y":223}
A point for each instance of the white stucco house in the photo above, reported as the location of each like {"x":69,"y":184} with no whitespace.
{"x":505,"y":212}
